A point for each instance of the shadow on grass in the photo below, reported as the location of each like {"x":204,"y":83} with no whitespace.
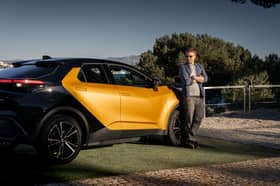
{"x":209,"y":146}
{"x":23,"y":167}
{"x":22,"y":164}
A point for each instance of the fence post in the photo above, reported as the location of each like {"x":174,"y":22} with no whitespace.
{"x":249,"y":99}
{"x":244,"y":98}
{"x":204,"y":102}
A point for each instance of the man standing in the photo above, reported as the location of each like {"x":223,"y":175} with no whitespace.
{"x":192,"y":75}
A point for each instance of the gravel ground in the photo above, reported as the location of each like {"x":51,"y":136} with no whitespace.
{"x":261,"y":127}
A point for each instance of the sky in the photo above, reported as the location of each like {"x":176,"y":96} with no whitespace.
{"x":117,"y":28}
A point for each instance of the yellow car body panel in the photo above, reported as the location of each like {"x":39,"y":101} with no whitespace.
{"x":101,"y":100}
{"x":144,"y":108}
{"x":120,"y":107}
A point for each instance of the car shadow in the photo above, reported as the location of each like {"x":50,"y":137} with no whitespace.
{"x":22,"y":166}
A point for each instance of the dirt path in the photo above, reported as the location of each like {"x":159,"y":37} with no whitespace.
{"x":260,"y":127}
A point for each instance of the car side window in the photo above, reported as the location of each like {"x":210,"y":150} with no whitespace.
{"x":129,"y":77}
{"x":92,"y":74}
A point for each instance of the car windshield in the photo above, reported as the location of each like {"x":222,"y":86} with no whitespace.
{"x":31,"y":71}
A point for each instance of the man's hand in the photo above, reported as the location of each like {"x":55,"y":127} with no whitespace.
{"x":199,"y":79}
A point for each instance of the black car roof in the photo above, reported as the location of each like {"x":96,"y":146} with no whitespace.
{"x":68,"y":61}
{"x":73,"y":62}
{"x":77,"y":62}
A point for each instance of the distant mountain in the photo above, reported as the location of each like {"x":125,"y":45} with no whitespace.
{"x":131,"y":60}
{"x":4,"y":64}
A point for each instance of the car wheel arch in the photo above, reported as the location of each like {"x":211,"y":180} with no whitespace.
{"x":70,"y":111}
{"x":175,"y":111}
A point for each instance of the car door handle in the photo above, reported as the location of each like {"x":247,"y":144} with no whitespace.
{"x":81,"y":88}
{"x":125,"y":94}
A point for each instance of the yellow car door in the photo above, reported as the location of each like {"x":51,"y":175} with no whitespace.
{"x":142,"y":107}
{"x":102,"y":100}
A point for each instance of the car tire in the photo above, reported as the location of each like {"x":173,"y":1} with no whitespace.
{"x":60,"y":140}
{"x":7,"y":149}
{"x":7,"y":146}
{"x":174,"y":129}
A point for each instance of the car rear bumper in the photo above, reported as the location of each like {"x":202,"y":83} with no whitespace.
{"x":10,"y":129}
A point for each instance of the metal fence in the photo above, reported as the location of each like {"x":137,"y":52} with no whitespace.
{"x":252,"y":87}
{"x":224,"y":87}
{"x":247,"y":95}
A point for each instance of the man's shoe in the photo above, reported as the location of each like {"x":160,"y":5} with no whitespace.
{"x":196,"y":146}
{"x":190,"y":145}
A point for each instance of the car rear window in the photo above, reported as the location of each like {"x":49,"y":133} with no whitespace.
{"x":31,"y":71}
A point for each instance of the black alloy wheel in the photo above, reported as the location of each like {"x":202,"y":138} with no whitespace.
{"x":61,"y":139}
{"x":174,"y":129}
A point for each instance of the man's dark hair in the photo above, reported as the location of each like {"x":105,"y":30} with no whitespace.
{"x":191,"y":50}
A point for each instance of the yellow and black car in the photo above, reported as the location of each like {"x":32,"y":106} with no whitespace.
{"x":62,"y":105}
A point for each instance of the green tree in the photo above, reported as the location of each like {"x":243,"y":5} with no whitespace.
{"x":263,"y":3}
{"x":181,"y":58}
{"x":261,"y":78}
{"x":223,"y":60}
{"x":272,"y":65}
{"x":252,"y":66}
{"x":148,"y":64}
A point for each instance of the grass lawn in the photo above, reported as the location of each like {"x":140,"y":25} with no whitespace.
{"x":22,"y":164}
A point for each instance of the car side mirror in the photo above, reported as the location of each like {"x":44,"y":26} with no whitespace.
{"x":155,"y":84}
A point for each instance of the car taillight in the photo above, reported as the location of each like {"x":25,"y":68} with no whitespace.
{"x":22,"y":81}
